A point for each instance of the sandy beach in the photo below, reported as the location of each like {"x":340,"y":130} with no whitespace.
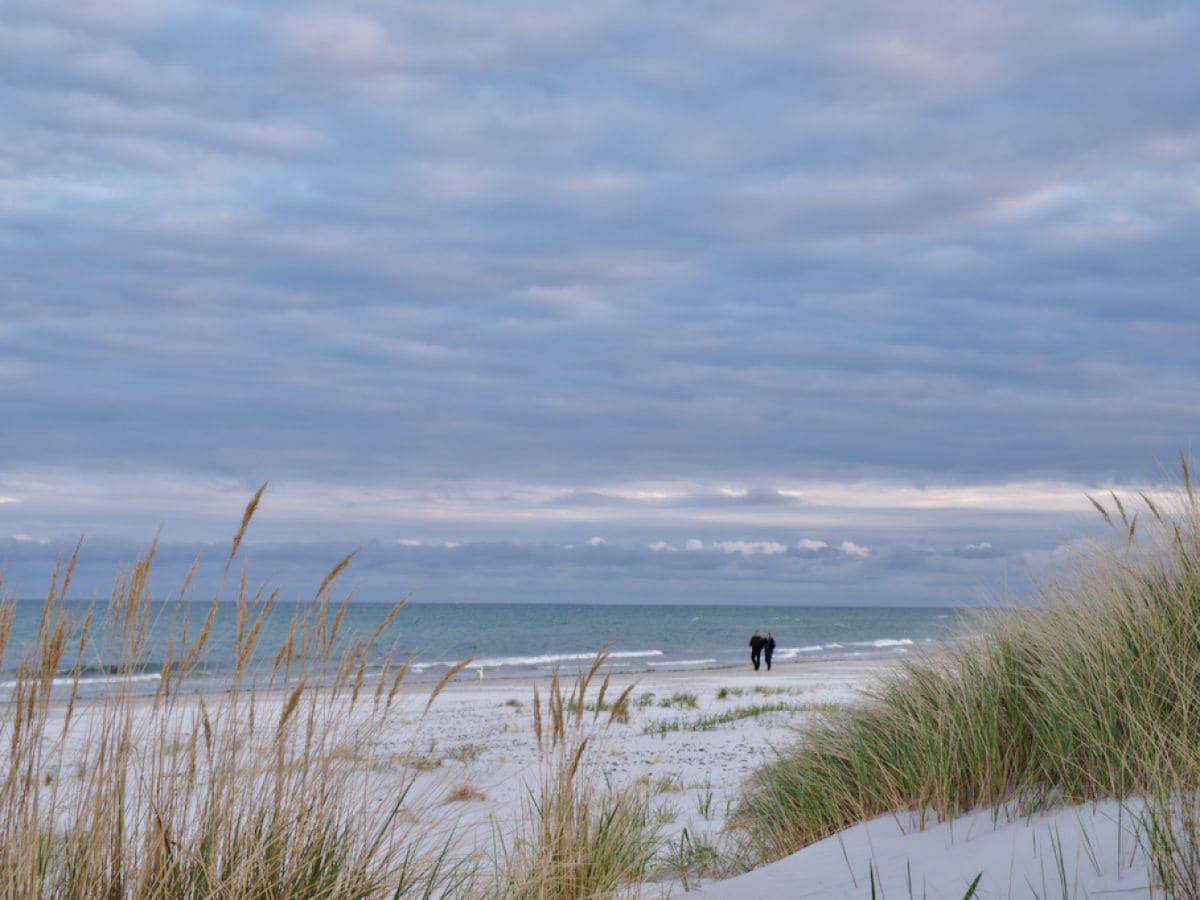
{"x":691,"y":738}
{"x":1070,"y":852}
{"x":479,"y":733}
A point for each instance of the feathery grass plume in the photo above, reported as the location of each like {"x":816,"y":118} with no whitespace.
{"x":581,"y":836}
{"x":1100,"y":509}
{"x":387,"y":619}
{"x":1150,"y":506}
{"x":397,"y":679}
{"x":289,"y":707}
{"x":1093,"y":692}
{"x":175,"y":793}
{"x":8,"y":614}
{"x":247,"y":515}
{"x":445,"y":679}
{"x":600,"y":695}
{"x":387,"y":663}
{"x":1120,"y":508}
{"x":620,"y":708}
{"x":198,"y":644}
{"x":1187,"y":479}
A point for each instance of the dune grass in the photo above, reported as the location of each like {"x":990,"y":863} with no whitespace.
{"x":580,"y":836}
{"x":714,"y":720}
{"x":1092,"y":692}
{"x":186,"y":795}
{"x":270,"y":793}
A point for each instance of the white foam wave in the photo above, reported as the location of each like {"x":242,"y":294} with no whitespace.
{"x":500,"y":662}
{"x":783,"y":653}
{"x":102,"y":679}
{"x":683,"y":662}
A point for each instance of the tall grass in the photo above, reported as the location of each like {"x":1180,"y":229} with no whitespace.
{"x":580,"y":836}
{"x":186,"y":795}
{"x":1092,"y":692}
{"x":266,"y":793}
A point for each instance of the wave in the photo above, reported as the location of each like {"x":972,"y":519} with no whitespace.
{"x":501,"y":662}
{"x":783,"y":653}
{"x":683,"y":662}
{"x":98,"y":671}
{"x":94,"y":679}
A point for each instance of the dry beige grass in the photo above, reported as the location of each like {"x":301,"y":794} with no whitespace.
{"x":191,"y":796}
{"x":253,"y":793}
{"x":464,"y":793}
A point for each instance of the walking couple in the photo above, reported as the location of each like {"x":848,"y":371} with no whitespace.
{"x":762,"y":647}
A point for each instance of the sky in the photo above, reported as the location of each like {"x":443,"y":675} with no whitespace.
{"x":769,"y":302}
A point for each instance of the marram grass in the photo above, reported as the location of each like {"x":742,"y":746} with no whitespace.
{"x":183,"y":795}
{"x":250,"y":794}
{"x":1093,"y":692}
{"x":580,"y":837}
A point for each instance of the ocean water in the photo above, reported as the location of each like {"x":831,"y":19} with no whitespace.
{"x":521,"y":639}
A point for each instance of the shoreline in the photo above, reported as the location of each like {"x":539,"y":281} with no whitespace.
{"x":92,"y":688}
{"x":477,"y":740}
{"x":691,"y":739}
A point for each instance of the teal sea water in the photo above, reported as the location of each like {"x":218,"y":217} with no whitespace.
{"x":528,"y":639}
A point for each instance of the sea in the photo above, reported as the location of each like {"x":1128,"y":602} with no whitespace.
{"x":508,"y":640}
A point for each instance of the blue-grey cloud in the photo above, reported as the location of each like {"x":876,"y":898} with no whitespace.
{"x":595,"y":571}
{"x":568,"y":256}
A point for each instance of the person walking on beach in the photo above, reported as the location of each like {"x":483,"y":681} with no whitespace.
{"x":768,"y":649}
{"x":756,"y":645}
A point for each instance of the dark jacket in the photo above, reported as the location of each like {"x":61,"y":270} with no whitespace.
{"x":756,"y":643}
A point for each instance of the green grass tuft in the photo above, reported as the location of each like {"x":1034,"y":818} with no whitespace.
{"x":1093,"y":692}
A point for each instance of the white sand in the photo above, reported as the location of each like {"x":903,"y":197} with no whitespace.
{"x":1072,"y":852}
{"x":479,"y":734}
{"x":483,"y":732}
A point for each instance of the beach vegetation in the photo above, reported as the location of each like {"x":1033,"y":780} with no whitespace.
{"x":465,"y":753}
{"x":714,"y":720}
{"x":419,"y":761}
{"x":725,"y":693}
{"x":679,"y":698}
{"x":704,"y":802}
{"x":770,"y":690}
{"x":693,"y":857}
{"x":668,"y":784}
{"x":261,"y":790}
{"x":618,"y":709}
{"x":181,"y":794}
{"x":464,"y":793}
{"x":1092,"y":691}
{"x":581,"y":836}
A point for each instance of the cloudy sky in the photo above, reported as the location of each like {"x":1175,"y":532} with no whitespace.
{"x":771,"y":301}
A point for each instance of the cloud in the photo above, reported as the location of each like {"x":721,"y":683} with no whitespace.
{"x":466,"y":273}
{"x":852,"y":549}
{"x":339,"y":39}
{"x":751,"y":548}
